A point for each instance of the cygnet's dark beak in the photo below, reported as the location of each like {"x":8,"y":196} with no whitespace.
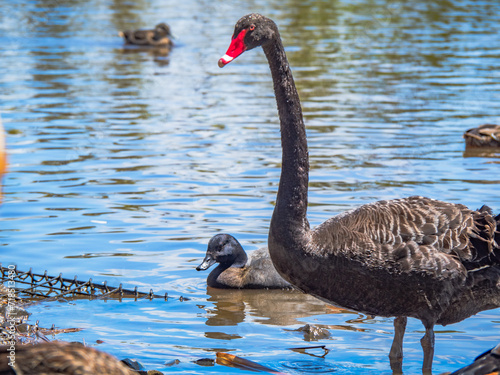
{"x":207,"y":262}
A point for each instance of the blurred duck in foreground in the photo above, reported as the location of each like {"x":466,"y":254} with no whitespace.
{"x":236,"y":269}
{"x":487,"y":363}
{"x":484,"y":136}
{"x":159,"y":36}
{"x":59,"y":357}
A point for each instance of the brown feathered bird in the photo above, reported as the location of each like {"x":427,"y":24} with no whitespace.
{"x":58,"y":357}
{"x":414,"y":257}
{"x":484,"y":136}
{"x":159,"y":36}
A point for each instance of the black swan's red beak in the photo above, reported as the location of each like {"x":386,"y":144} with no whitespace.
{"x":236,"y":48}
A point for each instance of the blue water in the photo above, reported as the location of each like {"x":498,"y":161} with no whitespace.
{"x":124,"y":162}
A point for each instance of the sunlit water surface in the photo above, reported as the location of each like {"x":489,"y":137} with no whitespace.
{"x":124,"y":162}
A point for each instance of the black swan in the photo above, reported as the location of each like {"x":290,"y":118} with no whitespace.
{"x":236,"y":270}
{"x":159,"y":36}
{"x":58,"y":357}
{"x":484,"y":136}
{"x":415,"y":257}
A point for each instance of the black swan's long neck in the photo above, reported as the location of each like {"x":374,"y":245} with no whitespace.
{"x":289,"y":217}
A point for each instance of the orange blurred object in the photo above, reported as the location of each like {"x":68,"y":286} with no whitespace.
{"x":231,"y":360}
{"x":3,"y":156}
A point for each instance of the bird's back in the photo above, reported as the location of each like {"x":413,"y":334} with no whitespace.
{"x":415,"y":234}
{"x":260,"y":271}
{"x":484,"y":136}
{"x":404,"y":257}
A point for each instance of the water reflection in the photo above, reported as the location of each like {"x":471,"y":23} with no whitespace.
{"x":159,"y":54}
{"x":493,"y":153}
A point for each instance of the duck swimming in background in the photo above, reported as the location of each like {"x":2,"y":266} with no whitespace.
{"x":484,"y":136}
{"x":159,"y":36}
{"x":236,"y":269}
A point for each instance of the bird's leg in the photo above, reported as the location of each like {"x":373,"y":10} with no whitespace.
{"x":428,"y":347}
{"x":396,"y":353}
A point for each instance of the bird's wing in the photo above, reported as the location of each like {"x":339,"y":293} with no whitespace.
{"x":422,"y":231}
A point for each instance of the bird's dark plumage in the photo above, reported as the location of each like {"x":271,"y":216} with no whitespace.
{"x":411,"y":257}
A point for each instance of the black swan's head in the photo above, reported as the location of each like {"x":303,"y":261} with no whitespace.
{"x":252,"y":30}
{"x":223,"y":249}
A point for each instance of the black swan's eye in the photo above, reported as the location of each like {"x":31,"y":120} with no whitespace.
{"x":252,"y":27}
